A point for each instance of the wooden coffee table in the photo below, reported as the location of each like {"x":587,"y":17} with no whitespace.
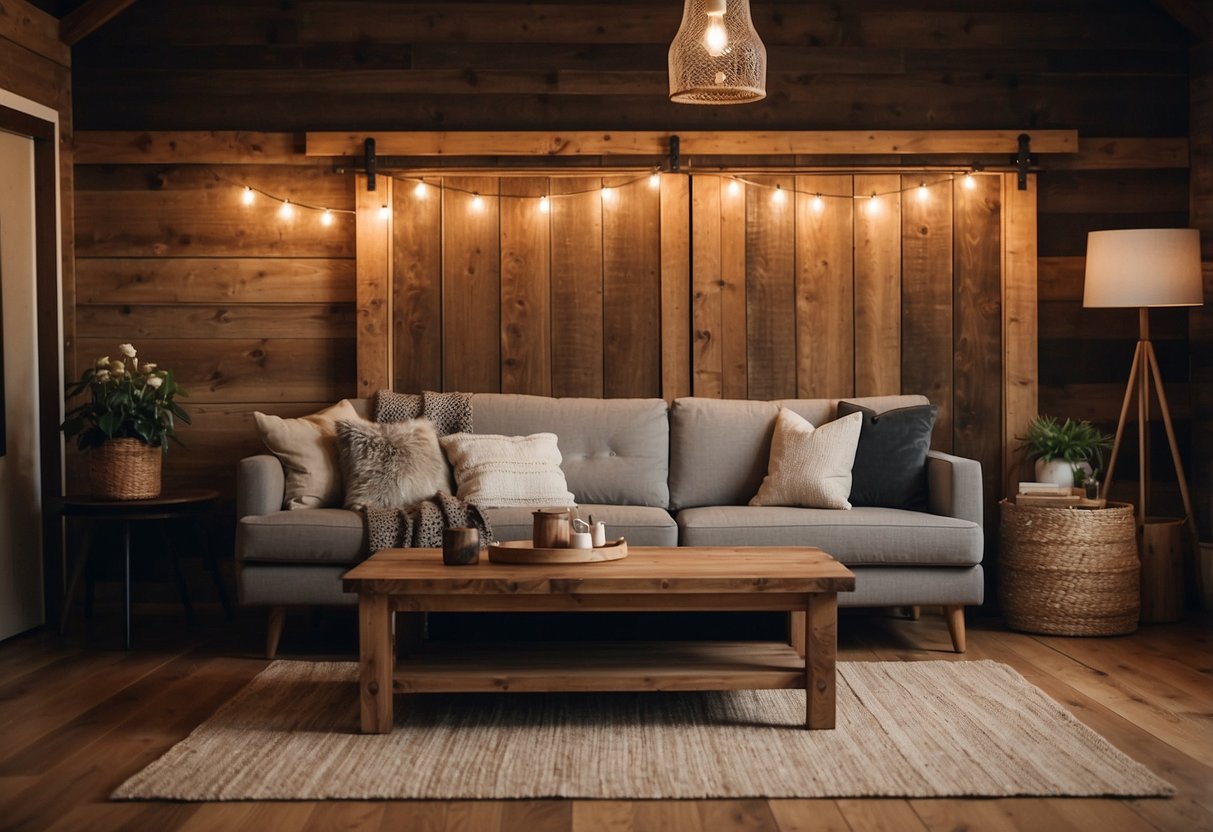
{"x":803,"y":581}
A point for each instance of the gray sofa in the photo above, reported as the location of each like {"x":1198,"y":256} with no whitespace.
{"x":659,"y":475}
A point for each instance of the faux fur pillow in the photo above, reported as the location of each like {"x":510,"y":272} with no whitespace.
{"x":390,"y":465}
{"x":307,"y":449}
{"x":810,"y":467}
{"x":499,"y":471}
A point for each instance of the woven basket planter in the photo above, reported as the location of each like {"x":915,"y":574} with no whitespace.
{"x":125,"y":469}
{"x":1069,"y":572}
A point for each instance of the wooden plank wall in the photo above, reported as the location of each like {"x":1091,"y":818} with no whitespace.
{"x":252,"y":311}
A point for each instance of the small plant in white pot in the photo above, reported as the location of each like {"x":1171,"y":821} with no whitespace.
{"x":1067,"y":453}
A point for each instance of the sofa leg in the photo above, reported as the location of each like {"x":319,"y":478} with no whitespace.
{"x":955,"y":614}
{"x":274,"y":631}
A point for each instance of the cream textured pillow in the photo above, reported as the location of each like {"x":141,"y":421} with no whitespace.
{"x":498,"y":471}
{"x":390,"y":465}
{"x":810,"y":467}
{"x":307,"y":448}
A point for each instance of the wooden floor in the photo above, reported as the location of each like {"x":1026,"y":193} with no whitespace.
{"x":78,"y":715}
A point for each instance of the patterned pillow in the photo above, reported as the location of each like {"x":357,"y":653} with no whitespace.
{"x":391,"y":465}
{"x":499,"y":471}
{"x":810,"y":467}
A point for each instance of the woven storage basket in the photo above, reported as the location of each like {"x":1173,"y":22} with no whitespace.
{"x":125,"y":469}
{"x":1069,"y":572}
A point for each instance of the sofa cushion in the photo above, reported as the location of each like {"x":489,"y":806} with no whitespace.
{"x":307,"y":449}
{"x":319,"y":535}
{"x":390,"y":465}
{"x":719,"y":447}
{"x":810,"y":466}
{"x":891,"y":460}
{"x":614,"y":451}
{"x":641,"y":525}
{"x":861,"y":536}
{"x":494,"y":471}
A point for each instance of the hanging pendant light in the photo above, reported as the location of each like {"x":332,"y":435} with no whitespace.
{"x":717,"y":57}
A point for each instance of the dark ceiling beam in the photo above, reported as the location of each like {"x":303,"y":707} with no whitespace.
{"x":90,"y":17}
{"x":1193,"y":15}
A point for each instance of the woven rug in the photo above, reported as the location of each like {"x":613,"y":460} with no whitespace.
{"x":905,"y":729}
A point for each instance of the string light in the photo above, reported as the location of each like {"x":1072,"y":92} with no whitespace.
{"x":969,"y":182}
{"x":608,"y":194}
{"x":778,"y":196}
{"x":326,"y":218}
{"x":420,"y":190}
{"x":544,"y":205}
{"x":477,"y":203}
{"x":873,"y":205}
{"x":248,"y":196}
{"x":385,"y":213}
{"x":654,"y":179}
{"x":287,"y":211}
{"x":734,"y":187}
{"x":922,"y":192}
{"x":818,"y":204}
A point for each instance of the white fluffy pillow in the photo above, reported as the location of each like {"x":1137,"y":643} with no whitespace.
{"x":810,"y":467}
{"x":390,"y":465}
{"x":307,"y":449}
{"x":499,"y":471}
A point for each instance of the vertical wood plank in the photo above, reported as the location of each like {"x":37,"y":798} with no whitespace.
{"x":675,"y":286}
{"x":820,"y":652}
{"x":706,"y":308}
{"x":825,"y":300}
{"x":631,"y":289}
{"x":926,"y":296}
{"x":771,"y":288}
{"x":977,"y":307}
{"x":877,"y":285}
{"x":373,"y":293}
{"x":471,"y":285}
{"x":417,"y":286}
{"x":576,"y":234}
{"x":376,"y":662}
{"x":1019,"y":328}
{"x":734,"y":361}
{"x":526,"y":313}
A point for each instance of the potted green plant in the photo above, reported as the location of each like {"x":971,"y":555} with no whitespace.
{"x":125,"y":424}
{"x":1066,"y":453}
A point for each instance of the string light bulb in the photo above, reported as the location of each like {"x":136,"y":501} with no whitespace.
{"x":779,"y":196}
{"x":873,"y":205}
{"x":248,"y":196}
{"x":922,"y":192}
{"x":385,"y":212}
{"x":818,"y":204}
{"x":715,"y":36}
{"x":544,"y":205}
{"x":969,"y":182}
{"x":654,"y":179}
{"x":287,"y":211}
{"x":608,"y":194}
{"x":419,"y":190}
{"x":734,"y":187}
{"x":326,"y":218}
{"x":477,"y":203}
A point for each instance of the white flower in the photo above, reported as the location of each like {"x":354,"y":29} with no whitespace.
{"x":154,"y":382}
{"x":149,"y":367}
{"x":127,"y":350}
{"x":117,"y":368}
{"x":102,"y":362}
{"x":134,"y":363}
{"x":102,"y":375}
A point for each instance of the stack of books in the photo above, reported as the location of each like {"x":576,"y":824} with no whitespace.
{"x":1048,"y":494}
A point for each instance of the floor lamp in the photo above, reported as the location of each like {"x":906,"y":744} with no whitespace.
{"x":1145,"y":268}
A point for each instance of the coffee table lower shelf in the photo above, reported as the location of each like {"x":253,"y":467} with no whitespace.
{"x":450,"y":667}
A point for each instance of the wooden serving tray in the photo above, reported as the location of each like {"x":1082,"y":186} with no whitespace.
{"x":521,"y":551}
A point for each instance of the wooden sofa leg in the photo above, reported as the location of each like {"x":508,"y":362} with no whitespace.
{"x":274,"y":631}
{"x":956,"y":626}
{"x":915,"y":612}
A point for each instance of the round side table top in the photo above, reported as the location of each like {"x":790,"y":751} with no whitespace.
{"x":167,"y":503}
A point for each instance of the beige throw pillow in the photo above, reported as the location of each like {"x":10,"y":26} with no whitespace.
{"x":390,"y":465}
{"x":810,"y":467}
{"x":307,"y":448}
{"x":499,"y":471}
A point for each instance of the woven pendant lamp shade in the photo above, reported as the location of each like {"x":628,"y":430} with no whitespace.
{"x":727,"y":66}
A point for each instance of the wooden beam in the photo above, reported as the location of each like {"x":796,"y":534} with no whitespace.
{"x":90,"y":17}
{"x":656,"y":142}
{"x":194,"y":147}
{"x":31,"y":28}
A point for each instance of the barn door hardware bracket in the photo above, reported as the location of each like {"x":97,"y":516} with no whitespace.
{"x":1023,"y":158}
{"x":371,"y":162}
{"x":675,"y":153}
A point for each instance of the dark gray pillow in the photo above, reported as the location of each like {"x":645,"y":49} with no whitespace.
{"x":890,"y":467}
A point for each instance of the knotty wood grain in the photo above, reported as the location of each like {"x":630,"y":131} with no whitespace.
{"x":374,"y":287}
{"x":216,"y":280}
{"x":416,"y":286}
{"x":825,"y":287}
{"x":576,"y":229}
{"x":676,"y":301}
{"x":877,"y":285}
{"x":526,"y":340}
{"x":631,"y":290}
{"x":471,"y":280}
{"x":771,"y":288}
{"x":706,"y":321}
{"x":376,"y":661}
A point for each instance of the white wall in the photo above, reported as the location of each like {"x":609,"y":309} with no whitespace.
{"x":20,"y":503}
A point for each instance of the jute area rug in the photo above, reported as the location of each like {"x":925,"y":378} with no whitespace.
{"x":905,"y":729}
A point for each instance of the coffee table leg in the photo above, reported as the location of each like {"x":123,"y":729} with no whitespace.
{"x":821,"y":647}
{"x":376,"y":662}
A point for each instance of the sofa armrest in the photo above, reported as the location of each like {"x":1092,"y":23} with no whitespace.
{"x":954,"y":483}
{"x":260,"y":485}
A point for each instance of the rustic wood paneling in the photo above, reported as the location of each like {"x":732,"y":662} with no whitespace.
{"x":771,"y":288}
{"x":706,"y":309}
{"x":577,"y":354}
{"x":416,"y":286}
{"x":926,"y":296}
{"x":1020,"y":327}
{"x":526,"y":315}
{"x":734,"y":351}
{"x":825,"y":287}
{"x":675,"y":286}
{"x":877,"y":210}
{"x":214,"y":280}
{"x":471,"y":285}
{"x":631,"y":291}
{"x":374,"y":278}
{"x":245,"y":320}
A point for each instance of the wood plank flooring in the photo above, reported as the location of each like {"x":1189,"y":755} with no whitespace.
{"x":78,"y":716}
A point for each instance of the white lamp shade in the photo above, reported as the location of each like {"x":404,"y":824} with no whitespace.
{"x":1143,"y":267}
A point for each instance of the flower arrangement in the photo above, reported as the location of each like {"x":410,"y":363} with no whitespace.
{"x":126,"y":401}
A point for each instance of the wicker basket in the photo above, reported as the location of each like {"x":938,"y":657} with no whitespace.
{"x":125,"y":469}
{"x":1069,"y":572}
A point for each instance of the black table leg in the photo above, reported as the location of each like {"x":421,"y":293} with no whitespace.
{"x":126,"y":551}
{"x":182,"y":589}
{"x":78,"y":568}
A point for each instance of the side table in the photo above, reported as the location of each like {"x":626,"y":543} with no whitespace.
{"x":186,"y":505}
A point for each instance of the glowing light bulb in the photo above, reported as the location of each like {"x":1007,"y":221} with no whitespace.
{"x":969,"y":181}
{"x":734,"y":188}
{"x":716,"y":36}
{"x":477,"y":203}
{"x":544,"y":205}
{"x":287,"y":211}
{"x":922,"y":192}
{"x":247,"y":196}
{"x":873,"y":205}
{"x":420,"y":190}
{"x":779,"y":196}
{"x":818,"y":204}
{"x":384,"y":212}
{"x":654,"y":179}
{"x":608,"y":194}
{"x":327,"y":217}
